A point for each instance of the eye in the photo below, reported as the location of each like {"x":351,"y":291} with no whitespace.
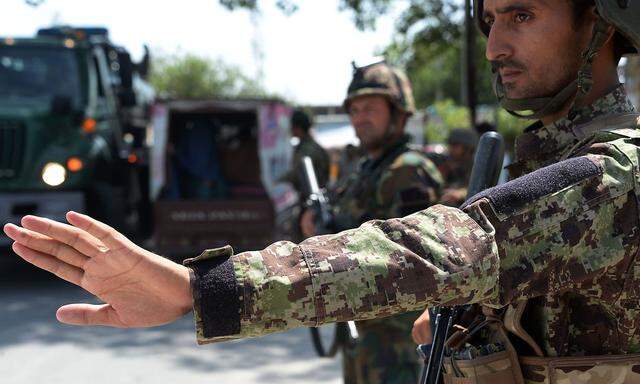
{"x":522,"y":17}
{"x":488,"y":20}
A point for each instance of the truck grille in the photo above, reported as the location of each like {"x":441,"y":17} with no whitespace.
{"x":12,"y":145}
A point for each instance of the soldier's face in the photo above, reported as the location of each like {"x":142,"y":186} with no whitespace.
{"x":371,"y":117}
{"x":534,"y":44}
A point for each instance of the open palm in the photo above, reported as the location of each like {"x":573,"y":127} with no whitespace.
{"x":139,"y":288}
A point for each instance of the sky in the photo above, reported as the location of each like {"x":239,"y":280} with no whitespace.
{"x":306,"y":57}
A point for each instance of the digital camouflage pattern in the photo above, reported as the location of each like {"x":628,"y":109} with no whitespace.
{"x":308,"y":147}
{"x":401,"y":181}
{"x":570,"y":251}
{"x":619,"y":369}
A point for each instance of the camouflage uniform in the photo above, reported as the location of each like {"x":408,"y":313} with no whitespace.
{"x":308,"y":147}
{"x":565,"y":236}
{"x":401,"y":181}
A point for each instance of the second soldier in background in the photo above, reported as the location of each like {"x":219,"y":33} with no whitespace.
{"x":392,"y":181}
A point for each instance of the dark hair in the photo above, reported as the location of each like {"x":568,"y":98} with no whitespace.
{"x":302,"y":119}
{"x":580,"y":8}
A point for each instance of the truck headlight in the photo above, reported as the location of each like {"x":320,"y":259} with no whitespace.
{"x":54,"y":174}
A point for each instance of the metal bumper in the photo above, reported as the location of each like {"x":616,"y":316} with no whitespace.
{"x":53,"y":205}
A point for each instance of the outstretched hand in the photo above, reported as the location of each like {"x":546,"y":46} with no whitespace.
{"x":139,"y":288}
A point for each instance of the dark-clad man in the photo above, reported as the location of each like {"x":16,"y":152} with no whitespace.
{"x":457,"y":168}
{"x":301,"y":123}
{"x":556,"y":248}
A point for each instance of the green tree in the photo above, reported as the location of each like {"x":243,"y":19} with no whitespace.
{"x":191,"y":76}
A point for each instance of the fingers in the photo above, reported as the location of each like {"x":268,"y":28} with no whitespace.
{"x":87,"y":314}
{"x":49,"y":263}
{"x":67,"y":234}
{"x":113,"y":239}
{"x":421,"y":332}
{"x":46,"y":245}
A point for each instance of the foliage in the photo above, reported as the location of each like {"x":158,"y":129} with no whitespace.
{"x":443,"y":117}
{"x":286,"y":6}
{"x":447,"y":115}
{"x":191,"y":76}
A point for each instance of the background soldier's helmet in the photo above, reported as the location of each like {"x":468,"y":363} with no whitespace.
{"x":381,"y":79}
{"x":462,"y":136}
{"x":621,"y":14}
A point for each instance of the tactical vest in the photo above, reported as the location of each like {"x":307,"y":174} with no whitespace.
{"x":497,"y":360}
{"x":356,"y":202}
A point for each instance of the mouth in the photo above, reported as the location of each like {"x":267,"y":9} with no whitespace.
{"x":509,"y":75}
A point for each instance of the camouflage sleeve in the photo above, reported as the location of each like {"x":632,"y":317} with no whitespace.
{"x":411,"y":184}
{"x":550,"y":230}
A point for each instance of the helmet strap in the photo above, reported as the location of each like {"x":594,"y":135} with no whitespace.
{"x":543,"y":106}
{"x":585,"y":74}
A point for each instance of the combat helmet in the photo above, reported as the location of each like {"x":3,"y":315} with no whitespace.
{"x":462,"y":136}
{"x":620,"y":14}
{"x":381,"y":79}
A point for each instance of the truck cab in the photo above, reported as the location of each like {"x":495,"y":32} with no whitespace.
{"x":67,"y":141}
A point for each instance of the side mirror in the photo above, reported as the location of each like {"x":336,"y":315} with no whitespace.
{"x":61,"y":105}
{"x":127,"y":98}
{"x":125,"y":70}
{"x":143,"y":66}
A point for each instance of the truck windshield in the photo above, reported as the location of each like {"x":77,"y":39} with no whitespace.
{"x":38,"y":74}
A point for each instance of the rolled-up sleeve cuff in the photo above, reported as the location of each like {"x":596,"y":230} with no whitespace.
{"x":216,"y":300}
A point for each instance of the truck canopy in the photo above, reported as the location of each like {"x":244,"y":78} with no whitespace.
{"x":215,"y":166}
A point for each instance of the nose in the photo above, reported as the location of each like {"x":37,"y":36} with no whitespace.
{"x":498,"y":46}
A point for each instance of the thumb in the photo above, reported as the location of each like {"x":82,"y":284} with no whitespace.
{"x":88,"y":314}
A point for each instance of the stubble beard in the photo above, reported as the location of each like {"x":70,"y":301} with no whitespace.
{"x":373,"y":144}
{"x":543,"y":85}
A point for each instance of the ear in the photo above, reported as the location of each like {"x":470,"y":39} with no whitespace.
{"x":401,"y":121}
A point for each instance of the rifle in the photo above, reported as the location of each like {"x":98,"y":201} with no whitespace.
{"x":345,"y":334}
{"x":485,"y":173}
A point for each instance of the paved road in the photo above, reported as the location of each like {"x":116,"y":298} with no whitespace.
{"x":35,"y":348}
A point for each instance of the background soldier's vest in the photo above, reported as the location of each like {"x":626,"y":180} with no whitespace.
{"x":356,"y":203}
{"x":503,"y":329}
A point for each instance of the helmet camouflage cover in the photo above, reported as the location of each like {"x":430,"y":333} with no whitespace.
{"x":381,"y":79}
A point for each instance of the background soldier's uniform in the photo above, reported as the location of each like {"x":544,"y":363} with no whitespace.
{"x":401,"y":181}
{"x":565,"y":236}
{"x":456,"y":172}
{"x":308,"y":147}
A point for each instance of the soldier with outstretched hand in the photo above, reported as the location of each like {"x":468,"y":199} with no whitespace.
{"x":555,"y":249}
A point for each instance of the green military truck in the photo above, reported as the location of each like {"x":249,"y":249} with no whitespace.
{"x":73,"y":117}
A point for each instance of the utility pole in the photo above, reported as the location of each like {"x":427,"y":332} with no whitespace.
{"x":469,"y":72}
